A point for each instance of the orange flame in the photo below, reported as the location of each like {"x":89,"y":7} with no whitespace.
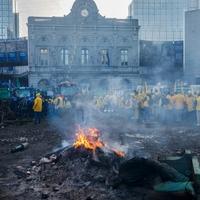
{"x":119,"y":153}
{"x":90,"y":139}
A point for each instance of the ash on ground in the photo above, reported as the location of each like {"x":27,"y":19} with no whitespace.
{"x":78,"y":177}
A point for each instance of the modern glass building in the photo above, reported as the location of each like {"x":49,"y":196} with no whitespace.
{"x":161,"y":20}
{"x":9,"y":21}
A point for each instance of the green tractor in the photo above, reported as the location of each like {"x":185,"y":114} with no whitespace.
{"x":22,"y":101}
{"x":67,"y":89}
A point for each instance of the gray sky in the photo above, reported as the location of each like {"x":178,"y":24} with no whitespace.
{"x":108,"y":8}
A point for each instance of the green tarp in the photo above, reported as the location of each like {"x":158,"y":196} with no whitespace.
{"x":175,"y":187}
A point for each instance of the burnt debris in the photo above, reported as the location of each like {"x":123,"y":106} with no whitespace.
{"x":79,"y":173}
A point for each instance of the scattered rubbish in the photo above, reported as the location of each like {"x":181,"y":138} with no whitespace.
{"x":23,"y":139}
{"x":56,"y":188}
{"x":45,"y":195}
{"x":20,"y":172}
{"x":33,"y":163}
{"x":20,"y":147}
{"x":28,"y":173}
{"x":46,"y":160}
{"x":70,"y":173}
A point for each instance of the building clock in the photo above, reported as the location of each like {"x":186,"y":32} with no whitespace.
{"x":84,"y":12}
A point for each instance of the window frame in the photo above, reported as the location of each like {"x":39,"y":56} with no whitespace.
{"x":64,"y":56}
{"x":43,"y":56}
{"x":124,"y":57}
{"x":84,"y":56}
{"x":104,"y":57}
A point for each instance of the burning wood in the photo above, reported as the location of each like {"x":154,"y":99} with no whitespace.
{"x":90,"y":139}
{"x":119,"y":153}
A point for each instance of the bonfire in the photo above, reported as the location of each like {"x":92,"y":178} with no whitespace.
{"x":89,"y":138}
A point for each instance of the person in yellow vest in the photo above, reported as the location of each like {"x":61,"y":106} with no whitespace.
{"x":198,"y":109}
{"x":135,"y":106}
{"x":140,"y":107}
{"x":179,"y":105}
{"x":37,"y":108}
{"x":59,"y":102}
{"x":170,"y":101}
{"x":144,"y":108}
{"x":169,"y":108}
{"x":190,"y":103}
{"x":179,"y":101}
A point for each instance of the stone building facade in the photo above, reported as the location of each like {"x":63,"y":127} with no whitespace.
{"x":83,"y":47}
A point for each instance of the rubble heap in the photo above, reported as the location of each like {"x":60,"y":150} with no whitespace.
{"x":90,"y":170}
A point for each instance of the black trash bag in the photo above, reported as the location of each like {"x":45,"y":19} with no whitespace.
{"x":140,"y":171}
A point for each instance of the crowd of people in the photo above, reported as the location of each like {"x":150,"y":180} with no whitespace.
{"x":44,"y":106}
{"x":139,"y":106}
{"x":155,"y":106}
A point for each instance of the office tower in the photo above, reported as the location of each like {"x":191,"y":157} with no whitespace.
{"x":192,"y":43}
{"x":161,"y":20}
{"x":9,"y":21}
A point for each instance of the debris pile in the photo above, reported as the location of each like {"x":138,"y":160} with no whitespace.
{"x":98,"y":173}
{"x":73,"y":174}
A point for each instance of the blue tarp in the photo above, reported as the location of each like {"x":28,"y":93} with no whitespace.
{"x":3,"y":57}
{"x":23,"y":56}
{"x":14,"y":58}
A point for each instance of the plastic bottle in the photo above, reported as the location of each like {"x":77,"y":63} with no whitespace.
{"x":20,"y":147}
